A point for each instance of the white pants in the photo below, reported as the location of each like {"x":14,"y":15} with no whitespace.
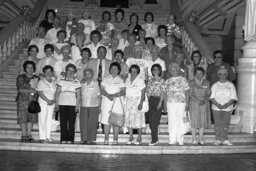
{"x":45,"y":120}
{"x":176,"y":112}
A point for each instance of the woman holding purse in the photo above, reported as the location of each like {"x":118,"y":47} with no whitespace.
{"x":26,"y":86}
{"x":112,"y":90}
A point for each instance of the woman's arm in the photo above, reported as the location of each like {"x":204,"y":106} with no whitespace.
{"x":142,"y":98}
{"x":57,"y":95}
{"x":31,"y":90}
{"x":216,"y":103}
{"x":41,"y":94}
{"x":229,"y":103}
{"x":78,"y":99}
{"x":187,"y":98}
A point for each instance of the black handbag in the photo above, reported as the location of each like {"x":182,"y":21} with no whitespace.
{"x":34,"y":107}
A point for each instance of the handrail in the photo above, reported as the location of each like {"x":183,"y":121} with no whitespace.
{"x":21,"y":29}
{"x":192,"y":39}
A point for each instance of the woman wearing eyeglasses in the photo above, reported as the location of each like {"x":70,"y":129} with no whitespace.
{"x":211,"y":74}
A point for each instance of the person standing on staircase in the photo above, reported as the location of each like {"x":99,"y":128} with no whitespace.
{"x":32,"y":56}
{"x":26,"y":86}
{"x":46,"y":89}
{"x":150,"y":26}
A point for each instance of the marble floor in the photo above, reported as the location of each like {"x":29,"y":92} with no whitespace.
{"x":45,"y":161}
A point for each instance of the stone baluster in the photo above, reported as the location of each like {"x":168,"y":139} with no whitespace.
{"x":4,"y":50}
{"x":20,"y":34}
{"x":13,"y":41}
{"x":9,"y":46}
{"x":1,"y":55}
{"x":17,"y":36}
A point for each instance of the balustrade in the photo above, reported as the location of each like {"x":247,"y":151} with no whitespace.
{"x":24,"y":32}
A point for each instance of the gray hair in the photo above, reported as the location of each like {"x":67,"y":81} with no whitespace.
{"x":89,"y":70}
{"x":222,"y":69}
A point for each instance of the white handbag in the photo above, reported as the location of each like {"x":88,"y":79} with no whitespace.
{"x":145,"y":105}
{"x":186,"y":123}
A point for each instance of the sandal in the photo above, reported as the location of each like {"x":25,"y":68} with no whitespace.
{"x":30,"y":138}
{"x":23,"y":139}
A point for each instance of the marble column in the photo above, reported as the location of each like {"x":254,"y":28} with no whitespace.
{"x":246,"y":83}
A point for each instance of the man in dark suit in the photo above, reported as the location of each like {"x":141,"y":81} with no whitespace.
{"x":100,"y":65}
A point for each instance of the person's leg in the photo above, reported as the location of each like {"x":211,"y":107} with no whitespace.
{"x":94,"y":117}
{"x":49,"y":121}
{"x":23,"y":127}
{"x":29,"y":128}
{"x":71,"y":123}
{"x":217,"y":119}
{"x":106,"y":132}
{"x":194,"y":135}
{"x":84,"y":113}
{"x":226,"y":123}
{"x":171,"y":123}
{"x":139,"y":139}
{"x":130,"y":134}
{"x":180,"y":113}
{"x":156,"y":122}
{"x":63,"y":123}
{"x":42,"y":121}
{"x":116,"y":131}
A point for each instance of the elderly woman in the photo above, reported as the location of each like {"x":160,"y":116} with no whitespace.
{"x":149,"y":45}
{"x":89,"y":24}
{"x":119,"y":58}
{"x":32,"y":56}
{"x":180,"y":61}
{"x":89,"y":111}
{"x":141,"y":38}
{"x":61,"y":65}
{"x":160,"y":40}
{"x":138,"y":60}
{"x":223,"y":98}
{"x":61,"y":35}
{"x":26,"y":86}
{"x":177,"y":103}
{"x":111,"y":49}
{"x":47,"y":60}
{"x":51,"y":34}
{"x":155,"y":92}
{"x":67,"y":103}
{"x":112,"y":90}
{"x":129,"y":50}
{"x":134,"y":27}
{"x":135,"y":96}
{"x":47,"y":23}
{"x":119,"y":23}
{"x":106,"y":17}
{"x":83,"y":63}
{"x":95,"y":38}
{"x":76,"y":48}
{"x":197,"y":61}
{"x":172,"y":27}
{"x":199,"y":106}
{"x":46,"y":89}
{"x":150,"y":26}
{"x":156,"y":60}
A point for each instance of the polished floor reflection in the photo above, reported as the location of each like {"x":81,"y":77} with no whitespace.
{"x":45,"y":161}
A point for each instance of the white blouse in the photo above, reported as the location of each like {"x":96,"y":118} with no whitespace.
{"x":47,"y":88}
{"x":90,"y":93}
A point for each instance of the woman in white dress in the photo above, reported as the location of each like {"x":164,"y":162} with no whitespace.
{"x":113,"y":91}
{"x":150,"y":26}
{"x":135,"y":96}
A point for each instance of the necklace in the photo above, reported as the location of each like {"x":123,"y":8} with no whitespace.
{"x":199,"y":82}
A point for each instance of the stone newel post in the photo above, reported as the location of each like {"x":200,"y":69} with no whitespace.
{"x":246,"y":70}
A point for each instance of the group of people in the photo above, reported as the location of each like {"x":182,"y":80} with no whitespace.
{"x":138,"y":71}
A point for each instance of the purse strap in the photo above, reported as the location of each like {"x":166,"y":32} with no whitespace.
{"x":120,"y":102}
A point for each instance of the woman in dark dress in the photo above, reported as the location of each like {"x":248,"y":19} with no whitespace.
{"x":26,"y":86}
{"x":134,"y":27}
{"x":47,"y":23}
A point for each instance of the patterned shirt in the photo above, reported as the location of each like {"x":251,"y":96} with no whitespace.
{"x":175,"y":88}
{"x":155,"y":88}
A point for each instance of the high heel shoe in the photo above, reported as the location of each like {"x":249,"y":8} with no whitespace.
{"x":23,"y":139}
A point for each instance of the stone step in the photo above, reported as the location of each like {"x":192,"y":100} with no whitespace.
{"x":8,"y":87}
{"x":122,"y":148}
{"x":8,"y":81}
{"x":9,"y":90}
{"x":10,"y":76}
{"x":122,"y":138}
{"x":14,"y":107}
{"x":8,"y":98}
{"x":163,"y":127}
{"x":8,"y":114}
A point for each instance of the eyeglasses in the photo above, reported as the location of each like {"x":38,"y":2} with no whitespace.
{"x":218,"y":57}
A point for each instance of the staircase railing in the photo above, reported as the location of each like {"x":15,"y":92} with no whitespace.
{"x":193,"y":40}
{"x":20,"y":30}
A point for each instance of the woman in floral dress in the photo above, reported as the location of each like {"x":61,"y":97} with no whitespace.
{"x":26,"y":86}
{"x":199,"y":106}
{"x":135,"y":95}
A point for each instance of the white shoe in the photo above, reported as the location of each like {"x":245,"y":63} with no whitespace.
{"x":226,"y":142}
{"x":152,"y":143}
{"x":217,"y":142}
{"x":180,"y":143}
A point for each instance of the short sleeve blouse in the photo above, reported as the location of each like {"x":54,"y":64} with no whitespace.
{"x":113,"y":84}
{"x":89,"y":94}
{"x":48,"y":88}
{"x":155,"y":88}
{"x":175,"y":88}
{"x":68,"y":91}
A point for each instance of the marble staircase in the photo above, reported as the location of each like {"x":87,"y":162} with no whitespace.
{"x":10,"y":131}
